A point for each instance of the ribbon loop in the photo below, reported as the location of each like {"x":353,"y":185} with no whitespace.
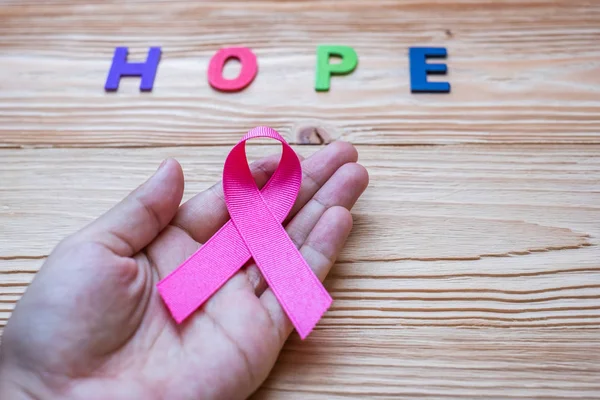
{"x":254,"y":230}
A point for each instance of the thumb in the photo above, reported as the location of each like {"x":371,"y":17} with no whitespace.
{"x":133,"y":223}
{"x":76,"y":308}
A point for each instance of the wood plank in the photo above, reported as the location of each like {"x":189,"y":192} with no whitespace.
{"x":437,"y":203}
{"x":521,"y":72}
{"x":538,"y":357}
{"x":557,"y":289}
{"x":438,"y":363}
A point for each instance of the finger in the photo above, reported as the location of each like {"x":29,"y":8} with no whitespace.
{"x":320,"y":251}
{"x":342,"y":189}
{"x":138,"y":219}
{"x":204,"y":214}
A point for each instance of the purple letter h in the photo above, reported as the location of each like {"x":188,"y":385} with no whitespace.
{"x":120,"y":67}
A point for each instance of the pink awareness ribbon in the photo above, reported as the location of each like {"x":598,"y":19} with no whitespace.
{"x":255,"y":231}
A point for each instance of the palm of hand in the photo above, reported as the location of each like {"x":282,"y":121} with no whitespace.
{"x":92,"y":325}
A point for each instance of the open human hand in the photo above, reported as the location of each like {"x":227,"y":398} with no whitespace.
{"x":92,"y":326}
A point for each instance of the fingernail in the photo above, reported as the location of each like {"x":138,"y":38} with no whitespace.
{"x":162,"y":164}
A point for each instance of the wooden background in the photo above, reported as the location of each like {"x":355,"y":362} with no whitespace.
{"x":473,"y":270}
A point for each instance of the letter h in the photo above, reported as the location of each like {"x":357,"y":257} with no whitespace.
{"x":120,"y":67}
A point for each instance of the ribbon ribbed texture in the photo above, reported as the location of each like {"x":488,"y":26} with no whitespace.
{"x":255,"y":231}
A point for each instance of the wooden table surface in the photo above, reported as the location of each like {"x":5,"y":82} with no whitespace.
{"x":473,"y":270}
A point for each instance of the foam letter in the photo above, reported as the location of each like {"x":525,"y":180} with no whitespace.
{"x":419,"y":70}
{"x":325,"y":69}
{"x":247,"y":74}
{"x":120,"y":67}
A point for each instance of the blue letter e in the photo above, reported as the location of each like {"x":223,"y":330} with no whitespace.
{"x":419,"y":69}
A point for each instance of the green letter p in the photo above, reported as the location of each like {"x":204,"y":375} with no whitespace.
{"x":325,"y":69}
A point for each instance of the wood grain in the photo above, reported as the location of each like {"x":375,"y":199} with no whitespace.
{"x":473,"y":269}
{"x":497,"y":201}
{"x":521,"y":72}
{"x":438,"y":363}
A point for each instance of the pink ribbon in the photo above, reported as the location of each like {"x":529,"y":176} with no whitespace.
{"x":255,"y":231}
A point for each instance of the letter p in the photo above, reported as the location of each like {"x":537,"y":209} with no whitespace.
{"x":325,"y":69}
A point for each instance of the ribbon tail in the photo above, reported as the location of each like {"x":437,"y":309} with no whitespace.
{"x":297,"y":288}
{"x":189,"y":286}
{"x":305,"y":301}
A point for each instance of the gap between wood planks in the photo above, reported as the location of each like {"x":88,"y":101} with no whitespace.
{"x":316,"y":145}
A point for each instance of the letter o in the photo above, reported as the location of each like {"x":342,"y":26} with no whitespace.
{"x":247,"y":74}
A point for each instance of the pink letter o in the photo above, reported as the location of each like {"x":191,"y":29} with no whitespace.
{"x":247,"y":74}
